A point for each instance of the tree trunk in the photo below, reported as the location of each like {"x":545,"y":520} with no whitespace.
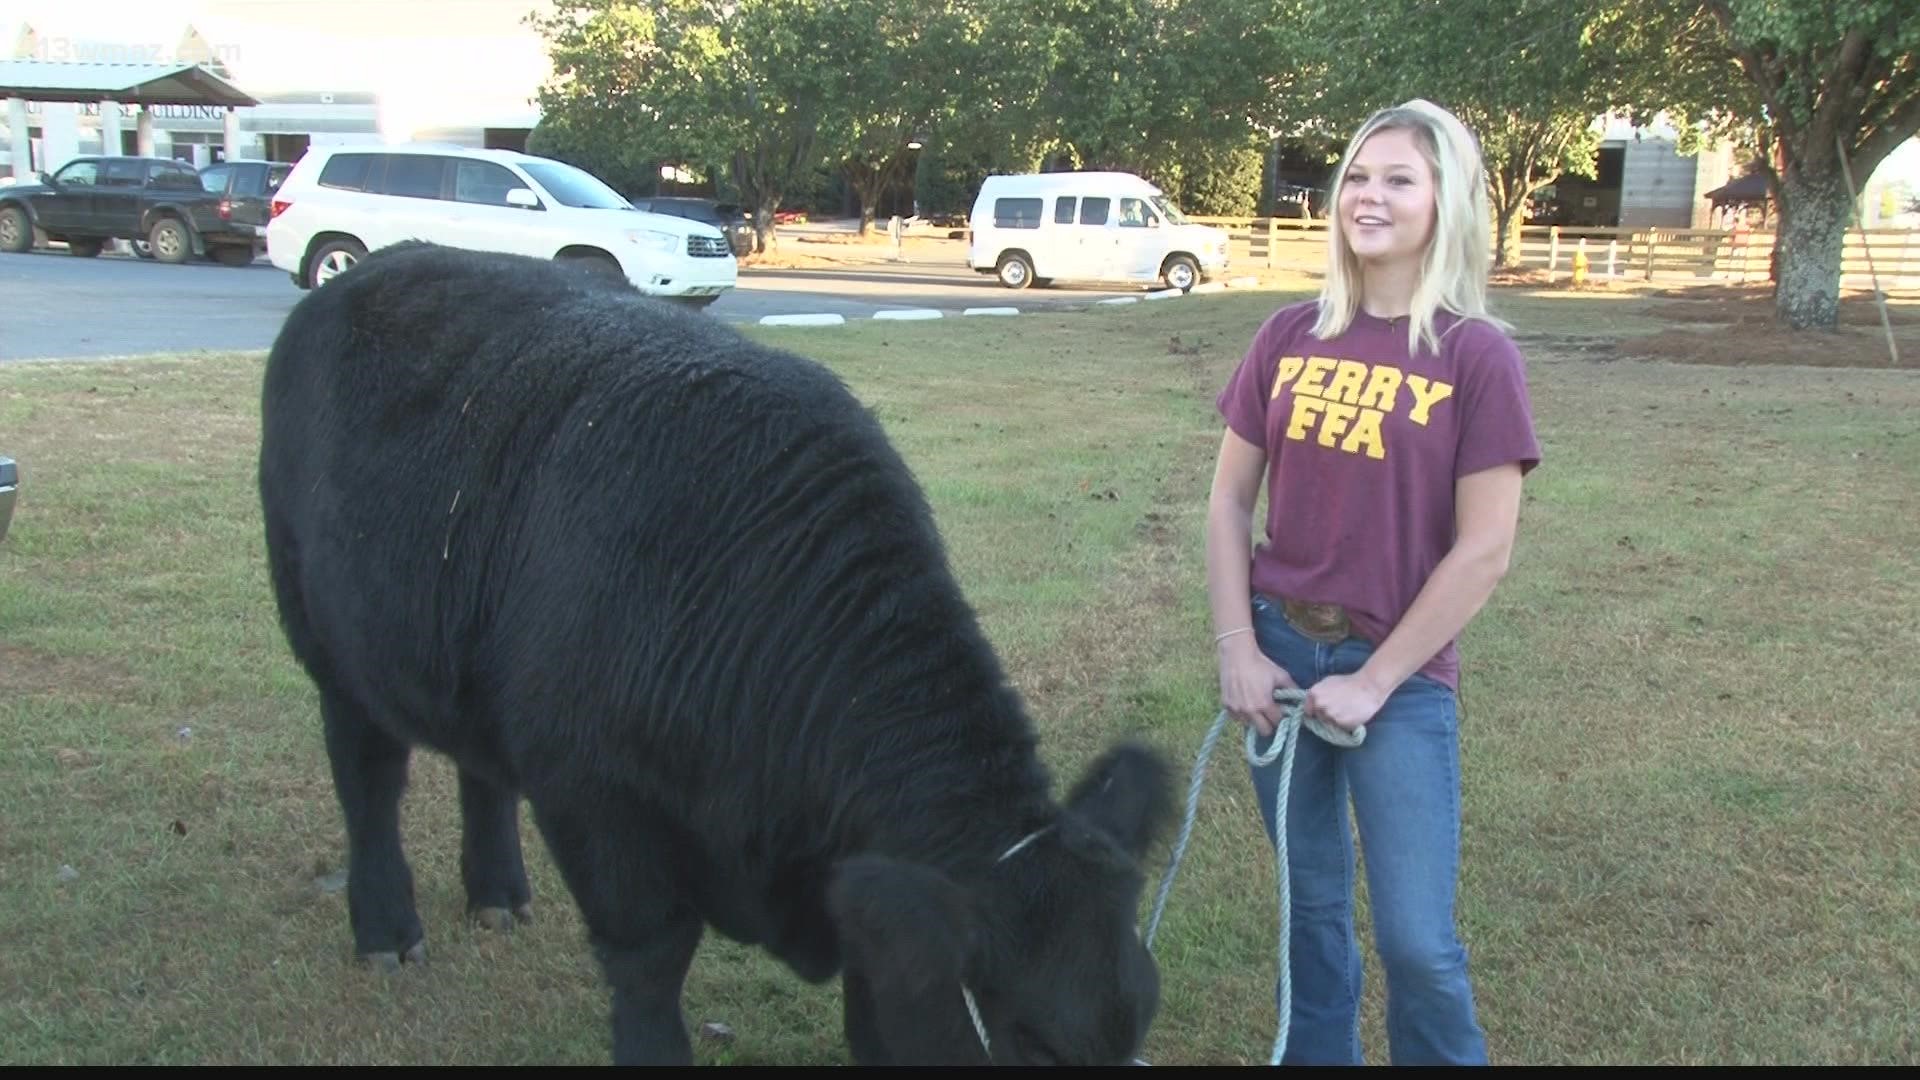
{"x":869,"y":183}
{"x":1508,"y":215}
{"x":758,"y":195}
{"x":1815,"y":213}
{"x":763,"y":239}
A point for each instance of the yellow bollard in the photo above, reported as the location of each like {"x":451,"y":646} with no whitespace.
{"x":1580,"y":264}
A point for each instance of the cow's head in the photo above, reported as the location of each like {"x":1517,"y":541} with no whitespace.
{"x":1044,"y":950}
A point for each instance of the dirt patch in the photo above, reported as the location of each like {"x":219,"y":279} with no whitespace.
{"x":1520,"y":275}
{"x":26,"y":671}
{"x":879,"y":240}
{"x":1725,"y":308}
{"x":786,"y":259}
{"x":833,"y":250}
{"x":1537,"y":280}
{"x":1570,"y":346}
{"x":1736,"y":325}
{"x":1761,"y":341}
{"x":1762,"y":292}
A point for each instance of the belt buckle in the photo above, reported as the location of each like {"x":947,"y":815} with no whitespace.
{"x":1326,"y":623}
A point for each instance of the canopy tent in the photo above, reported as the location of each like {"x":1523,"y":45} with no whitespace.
{"x":1751,"y":188}
{"x":128,"y":84}
{"x":109,"y":86}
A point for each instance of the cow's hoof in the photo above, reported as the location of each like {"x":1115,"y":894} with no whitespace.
{"x":387,"y":963}
{"x":500,"y":920}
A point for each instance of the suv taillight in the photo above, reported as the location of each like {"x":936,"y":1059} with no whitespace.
{"x":226,"y":209}
{"x":280,"y":206}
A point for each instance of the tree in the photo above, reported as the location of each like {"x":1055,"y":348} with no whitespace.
{"x":906,"y":68}
{"x":617,"y":161}
{"x":1142,"y":86}
{"x":1530,"y":78}
{"x":739,"y":86}
{"x":1831,"y":87}
{"x":1222,"y":180}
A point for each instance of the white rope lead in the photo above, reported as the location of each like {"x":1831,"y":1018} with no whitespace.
{"x":1285,"y":739}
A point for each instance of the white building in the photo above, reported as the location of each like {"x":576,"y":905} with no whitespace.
{"x":1644,"y":181}
{"x":464,"y":71}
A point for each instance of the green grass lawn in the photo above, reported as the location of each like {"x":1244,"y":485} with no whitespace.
{"x":1691,"y":760}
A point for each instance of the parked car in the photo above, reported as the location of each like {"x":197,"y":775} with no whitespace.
{"x":9,"y":485}
{"x":729,"y":218}
{"x":243,"y":188}
{"x":1088,"y":226}
{"x":341,"y":202}
{"x":93,"y":200}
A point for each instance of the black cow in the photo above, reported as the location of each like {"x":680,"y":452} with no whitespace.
{"x":677,"y":589}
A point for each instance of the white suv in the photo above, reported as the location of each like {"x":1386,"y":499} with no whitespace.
{"x":342,"y":201}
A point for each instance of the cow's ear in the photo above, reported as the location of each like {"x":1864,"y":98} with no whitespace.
{"x":906,"y":927}
{"x":1127,"y":794}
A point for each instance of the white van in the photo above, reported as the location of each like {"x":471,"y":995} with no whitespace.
{"x":1088,"y":226}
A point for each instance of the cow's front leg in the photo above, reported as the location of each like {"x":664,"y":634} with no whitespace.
{"x":369,"y":777}
{"x":621,"y":874}
{"x":490,"y":862}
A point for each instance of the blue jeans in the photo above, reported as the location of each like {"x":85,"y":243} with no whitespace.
{"x":1404,"y":782}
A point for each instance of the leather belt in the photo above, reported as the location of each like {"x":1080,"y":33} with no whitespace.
{"x":1326,"y":623}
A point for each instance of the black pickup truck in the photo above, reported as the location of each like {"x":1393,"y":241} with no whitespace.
{"x":168,"y":207}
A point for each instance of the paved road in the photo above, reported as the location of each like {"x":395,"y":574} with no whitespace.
{"x":56,"y":306}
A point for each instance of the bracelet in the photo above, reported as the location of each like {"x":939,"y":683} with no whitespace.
{"x":1218,"y":638}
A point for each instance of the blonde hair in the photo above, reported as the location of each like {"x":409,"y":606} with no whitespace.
{"x":1453,"y":274}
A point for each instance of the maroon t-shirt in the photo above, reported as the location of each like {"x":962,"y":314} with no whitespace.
{"x":1363,"y":445}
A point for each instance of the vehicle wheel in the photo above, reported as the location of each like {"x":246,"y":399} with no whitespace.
{"x":86,"y":249}
{"x":333,"y":258}
{"x":1015,"y":271}
{"x":231,"y":254}
{"x":170,"y":241}
{"x":16,"y":233}
{"x":600,"y":266}
{"x":143,"y":249}
{"x":1181,"y":273}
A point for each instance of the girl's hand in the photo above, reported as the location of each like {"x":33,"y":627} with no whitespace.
{"x":1247,"y":682}
{"x":1345,"y":701}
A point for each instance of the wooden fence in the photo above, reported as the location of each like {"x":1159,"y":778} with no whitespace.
{"x":1644,"y":253}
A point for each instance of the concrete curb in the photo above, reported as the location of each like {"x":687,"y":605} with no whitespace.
{"x":917,"y":314}
{"x":802,"y":320}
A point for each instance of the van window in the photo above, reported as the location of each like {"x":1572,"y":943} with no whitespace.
{"x":79,"y":174}
{"x":1094,"y":211}
{"x":483,"y":182}
{"x":213,"y":179}
{"x":1017,"y":213}
{"x":121,"y":174}
{"x":166,"y":176}
{"x":257,"y":181}
{"x":347,"y":172}
{"x":1134,"y":214}
{"x":575,"y":187}
{"x":415,"y":175}
{"x":1063,"y":209}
